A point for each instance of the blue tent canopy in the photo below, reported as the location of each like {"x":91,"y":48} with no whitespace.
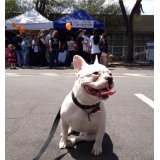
{"x":78,"y":19}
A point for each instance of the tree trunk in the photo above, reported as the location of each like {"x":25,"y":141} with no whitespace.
{"x":129,"y":27}
{"x":40,"y":6}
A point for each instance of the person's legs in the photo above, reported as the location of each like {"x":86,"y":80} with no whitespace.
{"x":99,"y":56}
{"x":50,"y":59}
{"x":70,"y":57}
{"x":26,"y":53}
{"x":38,"y":59}
{"x":55,"y":53}
{"x":42,"y":57}
{"x":19,"y":58}
{"x":104,"y":59}
{"x":32,"y":58}
{"x":93,"y":57}
{"x":87,"y":57}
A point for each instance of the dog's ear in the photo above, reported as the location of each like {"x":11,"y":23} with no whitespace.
{"x":78,"y":63}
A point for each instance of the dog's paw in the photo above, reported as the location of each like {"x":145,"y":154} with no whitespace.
{"x":67,"y":144}
{"x":96,"y":150}
{"x":62,"y":144}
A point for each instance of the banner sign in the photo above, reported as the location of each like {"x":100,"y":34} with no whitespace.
{"x":82,"y":24}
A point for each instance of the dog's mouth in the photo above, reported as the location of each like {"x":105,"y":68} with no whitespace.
{"x":103,"y":93}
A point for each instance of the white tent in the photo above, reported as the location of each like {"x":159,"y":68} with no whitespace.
{"x":30,"y":20}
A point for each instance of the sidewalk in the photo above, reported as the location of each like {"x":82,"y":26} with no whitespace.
{"x":126,"y":64}
{"x":110,"y":64}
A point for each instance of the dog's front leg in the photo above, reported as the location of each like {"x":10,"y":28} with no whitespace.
{"x":64,"y":135}
{"x":97,"y":147}
{"x":65,"y":142}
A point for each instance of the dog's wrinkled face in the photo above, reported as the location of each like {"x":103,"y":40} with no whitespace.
{"x":96,"y":79}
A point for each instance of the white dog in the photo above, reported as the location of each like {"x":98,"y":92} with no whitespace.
{"x":82,"y":109}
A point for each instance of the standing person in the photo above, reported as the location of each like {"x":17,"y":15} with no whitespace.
{"x":48,"y":37}
{"x":71,"y":44}
{"x":86,"y":47}
{"x":34,"y":52}
{"x":95,"y":50}
{"x":54,"y":47}
{"x":16,"y":41}
{"x":80,"y":41}
{"x":104,"y":49}
{"x":42,"y":47}
{"x":25,"y":51}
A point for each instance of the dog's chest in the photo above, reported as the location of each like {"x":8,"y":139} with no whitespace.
{"x":81,"y":121}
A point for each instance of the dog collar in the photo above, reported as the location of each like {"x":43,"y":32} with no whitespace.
{"x":82,"y":106}
{"x":95,"y":107}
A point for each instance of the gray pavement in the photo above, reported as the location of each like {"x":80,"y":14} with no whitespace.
{"x":34,"y":96}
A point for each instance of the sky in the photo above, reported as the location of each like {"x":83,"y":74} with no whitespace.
{"x":148,"y":5}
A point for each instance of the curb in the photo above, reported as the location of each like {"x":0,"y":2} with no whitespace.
{"x":134,"y":64}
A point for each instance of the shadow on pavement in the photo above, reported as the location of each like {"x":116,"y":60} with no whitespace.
{"x":60,"y":157}
{"x":82,"y":151}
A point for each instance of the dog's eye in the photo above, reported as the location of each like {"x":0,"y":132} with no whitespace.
{"x":96,"y":73}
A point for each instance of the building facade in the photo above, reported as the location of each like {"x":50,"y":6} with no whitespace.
{"x":143,"y":32}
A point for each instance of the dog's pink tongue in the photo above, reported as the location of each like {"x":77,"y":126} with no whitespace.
{"x":109,"y":93}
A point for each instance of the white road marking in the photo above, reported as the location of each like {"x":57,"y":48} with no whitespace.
{"x":50,"y":74}
{"x":11,"y":74}
{"x":17,"y":75}
{"x":39,"y":74}
{"x":132,"y":74}
{"x":145,"y":99}
{"x":118,"y":76}
{"x":137,"y":75}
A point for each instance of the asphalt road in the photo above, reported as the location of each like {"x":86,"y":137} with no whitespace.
{"x":34,"y":96}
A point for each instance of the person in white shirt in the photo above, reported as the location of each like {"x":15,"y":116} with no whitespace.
{"x":34,"y":54}
{"x":86,"y":47}
{"x":71,"y":46}
{"x":95,"y":50}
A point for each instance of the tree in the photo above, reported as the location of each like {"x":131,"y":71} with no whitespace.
{"x":90,"y":6}
{"x":15,"y":7}
{"x":136,"y":10}
{"x":112,"y":15}
{"x":12,"y":6}
{"x":46,"y":7}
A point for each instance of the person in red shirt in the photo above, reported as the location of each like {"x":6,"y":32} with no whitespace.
{"x":10,"y":56}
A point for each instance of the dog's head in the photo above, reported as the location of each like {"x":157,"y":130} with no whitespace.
{"x":95,"y":80}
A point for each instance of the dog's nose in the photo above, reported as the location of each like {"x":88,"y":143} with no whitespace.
{"x":109,"y":79}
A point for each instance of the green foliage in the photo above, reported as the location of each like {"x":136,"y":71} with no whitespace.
{"x":12,"y":6}
{"x":90,"y":6}
{"x":17,"y":6}
{"x":112,"y":9}
{"x":53,"y":6}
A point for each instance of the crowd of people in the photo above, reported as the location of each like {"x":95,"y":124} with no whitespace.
{"x":49,"y":50}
